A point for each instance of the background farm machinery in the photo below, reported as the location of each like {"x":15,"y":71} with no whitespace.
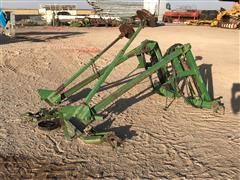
{"x":7,"y":23}
{"x":229,"y":18}
{"x":175,"y":72}
{"x":96,"y":20}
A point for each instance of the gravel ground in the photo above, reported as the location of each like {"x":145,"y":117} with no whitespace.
{"x":180,"y":143}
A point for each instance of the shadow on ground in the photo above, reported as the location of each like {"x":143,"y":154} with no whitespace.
{"x":123,"y":103}
{"x":33,"y":36}
{"x":206,"y":72}
{"x":235,"y":100}
{"x":84,"y":92}
{"x":118,"y":107}
{"x":123,"y":132}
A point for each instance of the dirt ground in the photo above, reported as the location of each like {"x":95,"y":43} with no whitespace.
{"x":179,"y":143}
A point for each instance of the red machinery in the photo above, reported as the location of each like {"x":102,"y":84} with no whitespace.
{"x":181,"y":16}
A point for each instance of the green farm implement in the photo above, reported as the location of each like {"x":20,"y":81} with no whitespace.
{"x":176,"y":72}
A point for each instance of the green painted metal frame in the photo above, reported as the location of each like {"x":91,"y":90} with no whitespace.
{"x":86,"y":114}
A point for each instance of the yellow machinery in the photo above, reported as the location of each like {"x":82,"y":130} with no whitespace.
{"x":228,"y":18}
{"x":225,"y":18}
{"x":198,"y":22}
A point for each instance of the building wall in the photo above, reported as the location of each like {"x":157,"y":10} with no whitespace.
{"x":151,"y":5}
{"x":43,"y":11}
{"x":157,"y":7}
{"x":23,"y":11}
{"x":85,"y":12}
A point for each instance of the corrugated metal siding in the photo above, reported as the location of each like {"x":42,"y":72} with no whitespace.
{"x":123,"y":8}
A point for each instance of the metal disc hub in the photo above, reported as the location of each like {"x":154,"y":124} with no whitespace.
{"x":126,"y":30}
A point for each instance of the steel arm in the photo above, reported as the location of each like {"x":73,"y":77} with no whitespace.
{"x":176,"y":68}
{"x":54,"y":97}
{"x":164,"y":61}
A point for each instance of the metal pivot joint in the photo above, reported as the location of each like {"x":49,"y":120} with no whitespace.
{"x":177,"y":72}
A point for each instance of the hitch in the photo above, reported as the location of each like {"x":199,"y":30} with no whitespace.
{"x":176,"y":71}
